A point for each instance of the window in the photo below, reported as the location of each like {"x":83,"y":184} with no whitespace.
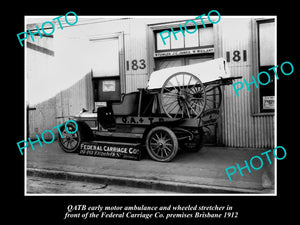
{"x":191,"y":40}
{"x":266,"y":60}
{"x":203,"y":37}
{"x":104,"y":57}
{"x":206,"y":36}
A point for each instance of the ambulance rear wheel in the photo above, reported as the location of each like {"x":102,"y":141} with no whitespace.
{"x":162,"y":144}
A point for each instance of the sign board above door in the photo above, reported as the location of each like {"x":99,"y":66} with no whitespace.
{"x":183,"y":52}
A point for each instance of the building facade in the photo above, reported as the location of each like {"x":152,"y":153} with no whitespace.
{"x":100,"y":58}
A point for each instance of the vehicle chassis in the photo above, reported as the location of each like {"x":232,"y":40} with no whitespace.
{"x":152,"y":123}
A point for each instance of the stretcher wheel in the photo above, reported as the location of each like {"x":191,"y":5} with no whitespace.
{"x":162,"y":144}
{"x":183,"y":95}
{"x":213,"y":96}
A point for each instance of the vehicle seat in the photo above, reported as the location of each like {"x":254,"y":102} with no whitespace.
{"x":128,"y":106}
{"x":106,"y":117}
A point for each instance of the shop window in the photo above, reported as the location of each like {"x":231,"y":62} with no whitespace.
{"x":179,"y":43}
{"x":160,"y":45}
{"x":191,"y":40}
{"x":266,"y":60}
{"x":206,"y":36}
{"x":203,"y":37}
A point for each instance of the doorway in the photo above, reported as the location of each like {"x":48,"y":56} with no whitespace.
{"x":106,"y":57}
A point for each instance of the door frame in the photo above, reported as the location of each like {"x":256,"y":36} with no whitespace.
{"x":120,"y":36}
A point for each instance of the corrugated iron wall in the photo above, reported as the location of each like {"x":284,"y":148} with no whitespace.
{"x":42,"y":118}
{"x":56,"y":110}
{"x":135,"y":45}
{"x":70,"y":101}
{"x":239,"y":126}
{"x":241,"y":129}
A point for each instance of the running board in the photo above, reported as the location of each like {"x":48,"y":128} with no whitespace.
{"x":118,"y":134}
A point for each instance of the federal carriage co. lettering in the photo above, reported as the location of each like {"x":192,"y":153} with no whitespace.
{"x":110,"y":150}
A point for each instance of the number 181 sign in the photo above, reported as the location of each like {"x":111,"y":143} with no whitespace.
{"x":236,"y":56}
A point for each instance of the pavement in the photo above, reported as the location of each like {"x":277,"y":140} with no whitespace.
{"x":44,"y":185}
{"x":196,"y":173}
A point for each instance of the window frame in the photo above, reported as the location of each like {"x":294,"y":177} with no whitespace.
{"x":256,"y":104}
{"x":176,"y":28}
{"x":122,"y":72}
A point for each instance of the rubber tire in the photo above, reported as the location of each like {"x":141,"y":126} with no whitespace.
{"x":173,"y":138}
{"x":84,"y":134}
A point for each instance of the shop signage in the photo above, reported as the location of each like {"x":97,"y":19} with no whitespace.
{"x":109,"y":85}
{"x":268,"y":102}
{"x":184,"y":52}
{"x":110,"y":150}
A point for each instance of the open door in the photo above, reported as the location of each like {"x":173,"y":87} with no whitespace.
{"x":105,"y":65}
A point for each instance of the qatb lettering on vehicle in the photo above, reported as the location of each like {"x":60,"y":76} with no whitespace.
{"x":43,"y":134}
{"x":186,"y":24}
{"x":43,"y":28}
{"x":233,"y":168}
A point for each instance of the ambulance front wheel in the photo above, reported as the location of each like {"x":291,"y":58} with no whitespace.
{"x":70,"y":141}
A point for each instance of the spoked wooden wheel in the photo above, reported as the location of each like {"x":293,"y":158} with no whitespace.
{"x":183,"y":96}
{"x":162,"y":144}
{"x":70,"y":141}
{"x":213,"y":96}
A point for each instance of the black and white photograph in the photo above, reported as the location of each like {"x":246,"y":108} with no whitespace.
{"x":153,"y":118}
{"x":162,"y":105}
